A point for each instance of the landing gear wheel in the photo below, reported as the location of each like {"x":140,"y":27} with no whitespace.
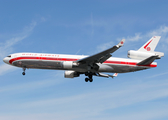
{"x":90,"y":77}
{"x":86,"y":74}
{"x":91,"y":80}
{"x":86,"y":79}
{"x":23,"y":73}
{"x":24,"y":69}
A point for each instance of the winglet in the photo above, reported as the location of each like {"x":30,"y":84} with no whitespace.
{"x":121,"y":43}
{"x":114,"y":75}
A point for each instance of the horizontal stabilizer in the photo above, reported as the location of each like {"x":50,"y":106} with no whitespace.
{"x":159,"y":54}
{"x":148,"y":60}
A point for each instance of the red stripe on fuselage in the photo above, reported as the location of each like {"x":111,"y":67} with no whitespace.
{"x":73,"y":59}
{"x":41,"y":58}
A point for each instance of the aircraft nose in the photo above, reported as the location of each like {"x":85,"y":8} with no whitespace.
{"x":6,"y":60}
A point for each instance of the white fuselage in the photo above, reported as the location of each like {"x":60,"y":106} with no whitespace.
{"x":66,"y":62}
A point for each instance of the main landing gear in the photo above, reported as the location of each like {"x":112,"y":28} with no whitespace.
{"x":90,"y":75}
{"x":24,"y":69}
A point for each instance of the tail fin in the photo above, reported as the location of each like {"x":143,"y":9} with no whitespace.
{"x":147,"y":50}
{"x":150,"y":45}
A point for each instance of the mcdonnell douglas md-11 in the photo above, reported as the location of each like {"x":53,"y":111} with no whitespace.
{"x":94,"y":65}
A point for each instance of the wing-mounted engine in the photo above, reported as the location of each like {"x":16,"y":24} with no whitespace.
{"x":143,"y":55}
{"x":69,"y":64}
{"x":71,"y":74}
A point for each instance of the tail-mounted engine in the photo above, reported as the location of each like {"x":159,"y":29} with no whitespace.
{"x":147,"y":50}
{"x":142,"y":55}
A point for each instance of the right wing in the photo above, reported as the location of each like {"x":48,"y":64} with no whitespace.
{"x":102,"y":56}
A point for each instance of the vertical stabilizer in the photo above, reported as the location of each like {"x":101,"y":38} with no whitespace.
{"x":150,"y":45}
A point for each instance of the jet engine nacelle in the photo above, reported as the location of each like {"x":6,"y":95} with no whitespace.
{"x":71,"y":74}
{"x":67,"y":64}
{"x":143,"y":55}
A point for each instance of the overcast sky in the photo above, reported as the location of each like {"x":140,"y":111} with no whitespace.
{"x":82,"y":27}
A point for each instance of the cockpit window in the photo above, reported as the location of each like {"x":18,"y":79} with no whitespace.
{"x":9,"y":56}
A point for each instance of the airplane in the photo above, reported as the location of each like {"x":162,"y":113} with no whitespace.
{"x":94,"y":65}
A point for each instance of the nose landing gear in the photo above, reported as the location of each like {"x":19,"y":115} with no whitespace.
{"x":24,"y":69}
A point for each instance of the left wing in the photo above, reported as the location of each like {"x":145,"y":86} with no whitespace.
{"x":107,"y":75}
{"x":102,"y":56}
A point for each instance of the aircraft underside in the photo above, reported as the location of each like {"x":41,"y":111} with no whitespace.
{"x":58,"y":65}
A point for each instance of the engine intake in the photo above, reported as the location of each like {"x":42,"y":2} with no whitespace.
{"x":67,"y":64}
{"x":71,"y":74}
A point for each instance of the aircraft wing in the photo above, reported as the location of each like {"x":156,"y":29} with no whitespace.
{"x":107,"y":75}
{"x":102,"y":56}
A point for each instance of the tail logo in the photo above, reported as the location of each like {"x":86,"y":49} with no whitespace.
{"x":146,"y":46}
